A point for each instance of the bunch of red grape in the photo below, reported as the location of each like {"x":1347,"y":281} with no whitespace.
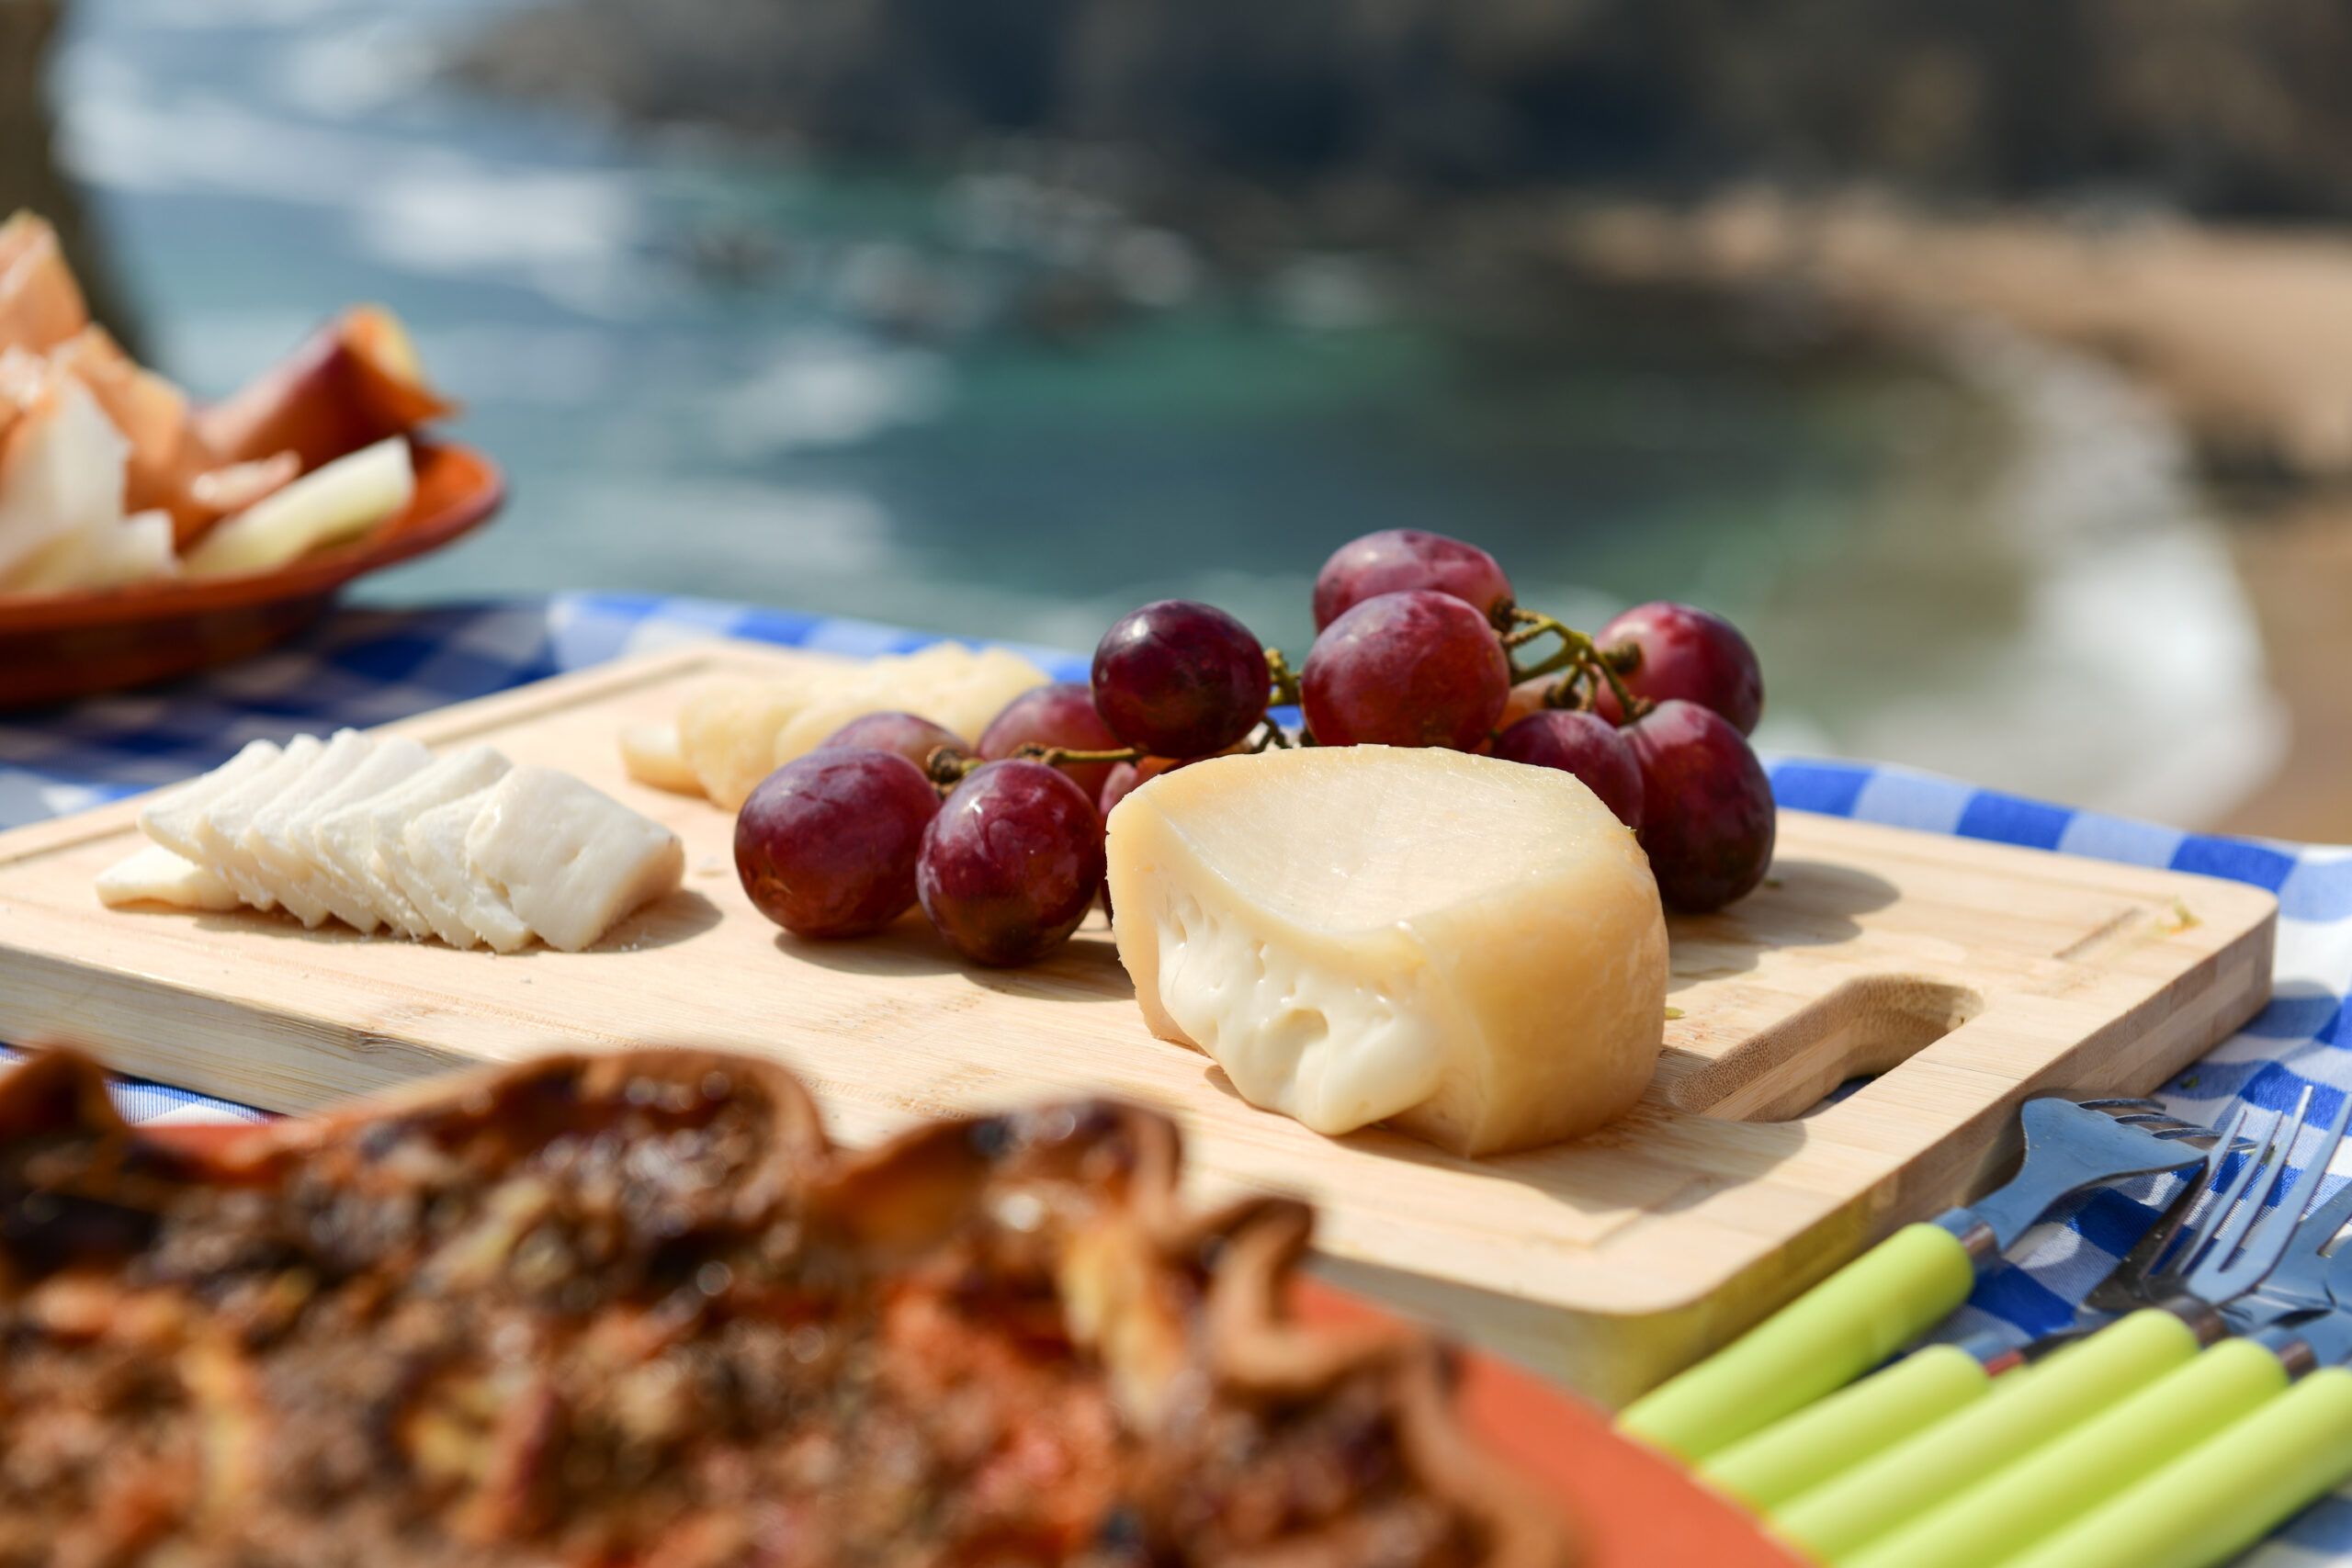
{"x":1419,"y":642}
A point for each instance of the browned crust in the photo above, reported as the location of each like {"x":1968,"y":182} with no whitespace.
{"x":905,"y":1193}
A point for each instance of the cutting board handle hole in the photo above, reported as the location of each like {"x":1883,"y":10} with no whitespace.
{"x":1862,"y":1029}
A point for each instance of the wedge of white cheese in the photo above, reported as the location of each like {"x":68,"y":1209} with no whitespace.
{"x":156,"y":876}
{"x":281,"y":865}
{"x":1471,"y":950}
{"x":392,"y":762}
{"x":570,"y":861}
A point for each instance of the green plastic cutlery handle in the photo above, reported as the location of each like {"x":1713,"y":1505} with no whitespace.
{"x":2076,"y":1470}
{"x":1804,"y":1450}
{"x":1818,"y":1343}
{"x":2222,"y":1496}
{"x":1835,"y":1520}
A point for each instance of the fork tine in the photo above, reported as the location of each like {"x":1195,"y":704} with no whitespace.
{"x":2193,"y":1236}
{"x":2271,"y":1240}
{"x":2170,"y":1128}
{"x":2275,"y":1148}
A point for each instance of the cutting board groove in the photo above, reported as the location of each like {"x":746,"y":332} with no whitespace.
{"x":1957,"y":978}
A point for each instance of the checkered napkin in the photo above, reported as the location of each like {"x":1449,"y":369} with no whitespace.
{"x":370,"y":667}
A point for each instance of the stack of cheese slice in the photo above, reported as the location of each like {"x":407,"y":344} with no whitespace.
{"x":382,"y":835}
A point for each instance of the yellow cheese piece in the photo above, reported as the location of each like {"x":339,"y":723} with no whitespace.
{"x":727,"y":733}
{"x":957,"y":687}
{"x":652,"y":753}
{"x":733,"y":732}
{"x":1471,"y":950}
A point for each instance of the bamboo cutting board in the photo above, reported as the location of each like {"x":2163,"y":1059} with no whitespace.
{"x":1966,"y":976}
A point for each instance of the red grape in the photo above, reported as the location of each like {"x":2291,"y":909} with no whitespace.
{"x":1059,"y":715}
{"x":1396,"y":561}
{"x":1525,"y":700}
{"x":1124,"y":779}
{"x":1413,"y":669}
{"x":1012,"y":863}
{"x":912,"y":737}
{"x":1708,"y":820}
{"x":1579,"y":743}
{"x":1691,"y":654}
{"x":1128,"y":777}
{"x":1179,"y":679}
{"x":827,"y":844}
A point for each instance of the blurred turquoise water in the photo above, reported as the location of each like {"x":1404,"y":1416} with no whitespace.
{"x":976,"y":403}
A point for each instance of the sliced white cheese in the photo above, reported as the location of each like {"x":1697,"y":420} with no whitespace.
{"x":360,"y":840}
{"x":443,"y":883}
{"x":173,"y":819}
{"x":330,"y":504}
{"x":1470,"y":950}
{"x":391,"y":762}
{"x":221,"y":827}
{"x":571,"y":862}
{"x":409,"y":867}
{"x":155,"y":875}
{"x":280,"y":865}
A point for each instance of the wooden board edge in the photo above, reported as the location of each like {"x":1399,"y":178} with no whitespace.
{"x":130,"y":1025}
{"x":1613,"y":1357}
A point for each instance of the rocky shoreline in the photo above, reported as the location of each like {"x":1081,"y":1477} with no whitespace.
{"x":2242,"y":336}
{"x":2245,"y":333}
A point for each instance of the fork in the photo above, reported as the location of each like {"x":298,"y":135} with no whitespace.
{"x":2231,"y":1246}
{"x":2094,"y":1443}
{"x":1836,"y":1433}
{"x":1894,"y":1293}
{"x":2232,"y":1482}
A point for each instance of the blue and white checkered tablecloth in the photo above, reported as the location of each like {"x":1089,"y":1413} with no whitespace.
{"x":370,"y":666}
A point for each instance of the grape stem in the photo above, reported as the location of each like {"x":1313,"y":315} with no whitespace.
{"x":1578,"y":654}
{"x":947,"y":765}
{"x":1067,"y":756}
{"x":1284,"y":679}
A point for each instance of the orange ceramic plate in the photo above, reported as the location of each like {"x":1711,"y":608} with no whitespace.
{"x":55,"y":646}
{"x":1634,"y":1508}
{"x":1631,"y":1507}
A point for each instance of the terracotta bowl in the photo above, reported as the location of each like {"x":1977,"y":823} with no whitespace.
{"x":1631,"y":1507}
{"x":56,"y":645}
